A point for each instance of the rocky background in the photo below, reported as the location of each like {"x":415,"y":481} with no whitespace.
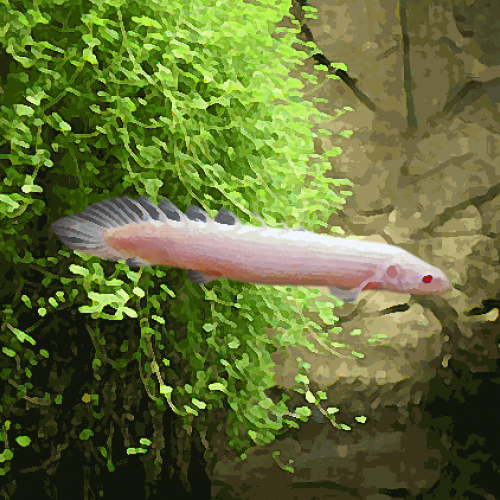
{"x":423,"y":82}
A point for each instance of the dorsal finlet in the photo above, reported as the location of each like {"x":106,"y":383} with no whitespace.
{"x":197,"y":214}
{"x":226,"y":217}
{"x":171,"y":211}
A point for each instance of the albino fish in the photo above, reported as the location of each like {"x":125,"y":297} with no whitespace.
{"x":144,"y":234}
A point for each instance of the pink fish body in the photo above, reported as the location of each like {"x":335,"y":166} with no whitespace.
{"x":146,"y":234}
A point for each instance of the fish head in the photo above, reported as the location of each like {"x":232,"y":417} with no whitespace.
{"x":412,"y":275}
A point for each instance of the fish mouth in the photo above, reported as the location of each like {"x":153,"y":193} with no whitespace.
{"x":446,"y":283}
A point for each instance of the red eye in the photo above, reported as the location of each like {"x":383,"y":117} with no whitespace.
{"x":427,"y":279}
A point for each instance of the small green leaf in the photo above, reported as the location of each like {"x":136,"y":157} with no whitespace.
{"x":234,"y":344}
{"x":200,"y":404}
{"x":86,"y":434}
{"x":79,"y":270}
{"x":23,"y":110}
{"x":89,"y":56}
{"x":65,"y":126}
{"x":310,"y":397}
{"x":31,"y":188}
{"x":166,"y":389}
{"x":146,"y":21}
{"x":36,"y":98}
{"x":217,"y":387}
{"x":303,"y":411}
{"x":131,"y":313}
{"x":6,"y":455}
{"x":23,"y":441}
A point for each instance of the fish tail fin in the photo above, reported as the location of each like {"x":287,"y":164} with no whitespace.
{"x":85,"y":231}
{"x":88,"y":231}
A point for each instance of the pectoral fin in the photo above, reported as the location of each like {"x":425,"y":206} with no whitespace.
{"x":345,"y":295}
{"x":200,"y":278}
{"x":351,"y":294}
{"x":136,"y":262}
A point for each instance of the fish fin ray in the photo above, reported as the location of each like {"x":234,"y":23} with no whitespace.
{"x":153,"y":210}
{"x":260,"y":218}
{"x":135,"y":208}
{"x":85,"y":231}
{"x":122,"y":211}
